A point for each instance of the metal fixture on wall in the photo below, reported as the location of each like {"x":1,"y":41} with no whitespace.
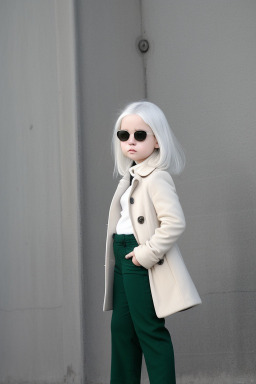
{"x":143,"y":45}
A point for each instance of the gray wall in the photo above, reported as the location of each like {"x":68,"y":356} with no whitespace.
{"x":110,"y":75}
{"x":201,"y":70}
{"x":40,"y":331}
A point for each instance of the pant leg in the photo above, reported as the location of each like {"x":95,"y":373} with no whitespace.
{"x":134,"y":319}
{"x":154,"y":338}
{"x":126,"y":358}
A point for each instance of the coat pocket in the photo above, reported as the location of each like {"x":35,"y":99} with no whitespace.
{"x":171,"y":285}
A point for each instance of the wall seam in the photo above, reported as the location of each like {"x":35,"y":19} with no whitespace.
{"x":144,"y":59}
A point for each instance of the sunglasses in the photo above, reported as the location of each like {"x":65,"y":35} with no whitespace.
{"x":138,"y":135}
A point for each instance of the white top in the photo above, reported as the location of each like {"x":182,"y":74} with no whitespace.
{"x":124,"y":225}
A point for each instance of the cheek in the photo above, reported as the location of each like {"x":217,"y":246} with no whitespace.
{"x":151,"y":146}
{"x":122,"y":145}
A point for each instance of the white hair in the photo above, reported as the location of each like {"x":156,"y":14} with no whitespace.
{"x":171,"y":155}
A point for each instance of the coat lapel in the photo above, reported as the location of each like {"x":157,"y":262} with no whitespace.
{"x":143,"y":170}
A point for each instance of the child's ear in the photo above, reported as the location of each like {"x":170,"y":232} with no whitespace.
{"x":156,"y":144}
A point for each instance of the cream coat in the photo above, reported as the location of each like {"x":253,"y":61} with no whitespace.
{"x":158,"y":221}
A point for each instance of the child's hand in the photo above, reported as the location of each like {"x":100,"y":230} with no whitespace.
{"x":134,"y":260}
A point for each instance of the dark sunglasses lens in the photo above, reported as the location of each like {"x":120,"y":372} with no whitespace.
{"x":123,"y":135}
{"x":140,"y":135}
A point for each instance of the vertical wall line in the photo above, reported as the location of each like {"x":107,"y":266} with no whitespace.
{"x":70,"y":186}
{"x":81,"y":164}
{"x":144,"y":59}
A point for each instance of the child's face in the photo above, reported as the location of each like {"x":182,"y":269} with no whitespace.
{"x":135,"y":150}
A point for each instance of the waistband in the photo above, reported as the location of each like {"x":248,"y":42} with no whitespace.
{"x":127,"y":239}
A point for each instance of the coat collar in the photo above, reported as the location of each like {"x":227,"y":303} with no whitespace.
{"x":146,"y":167}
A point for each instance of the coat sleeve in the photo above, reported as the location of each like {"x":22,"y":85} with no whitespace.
{"x":171,"y":220}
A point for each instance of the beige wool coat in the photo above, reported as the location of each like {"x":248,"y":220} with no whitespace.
{"x":158,"y":221}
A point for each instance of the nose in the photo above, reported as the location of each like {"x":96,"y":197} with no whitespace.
{"x":131,"y":139}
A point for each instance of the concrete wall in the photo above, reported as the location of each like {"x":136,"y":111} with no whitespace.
{"x":202,"y":69}
{"x":40,"y":331}
{"x":110,"y":75}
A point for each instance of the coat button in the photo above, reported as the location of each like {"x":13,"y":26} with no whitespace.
{"x":141,"y":219}
{"x":131,"y":200}
{"x":160,"y":262}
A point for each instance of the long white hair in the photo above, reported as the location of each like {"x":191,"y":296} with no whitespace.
{"x":171,"y":155}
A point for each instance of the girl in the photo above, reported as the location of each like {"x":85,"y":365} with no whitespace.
{"x":146,"y":279}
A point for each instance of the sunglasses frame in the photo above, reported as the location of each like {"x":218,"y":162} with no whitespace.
{"x":135,"y":134}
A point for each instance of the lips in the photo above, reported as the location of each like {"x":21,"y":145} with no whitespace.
{"x":132,"y":150}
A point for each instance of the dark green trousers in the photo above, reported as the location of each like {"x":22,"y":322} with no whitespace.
{"x":135,"y":328}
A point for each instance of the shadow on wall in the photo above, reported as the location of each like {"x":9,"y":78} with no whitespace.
{"x":241,"y":265}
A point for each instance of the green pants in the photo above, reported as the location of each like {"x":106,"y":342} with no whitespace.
{"x":135,"y":328}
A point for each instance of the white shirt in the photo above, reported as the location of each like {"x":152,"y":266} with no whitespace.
{"x":124,"y":225}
